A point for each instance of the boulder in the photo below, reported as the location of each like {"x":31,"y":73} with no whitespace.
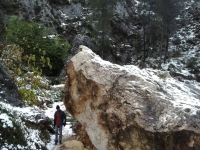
{"x":39,"y":120}
{"x":124,"y":107}
{"x":73,"y":145}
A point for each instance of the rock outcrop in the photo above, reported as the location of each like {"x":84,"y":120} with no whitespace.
{"x":73,"y":145}
{"x":124,"y":107}
{"x":9,"y":91}
{"x":78,"y":40}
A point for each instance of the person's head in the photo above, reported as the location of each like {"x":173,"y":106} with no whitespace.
{"x":58,"y":107}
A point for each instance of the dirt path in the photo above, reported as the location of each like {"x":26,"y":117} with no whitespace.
{"x":59,"y":146}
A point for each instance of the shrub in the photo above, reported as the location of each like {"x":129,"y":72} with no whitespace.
{"x":190,"y":41}
{"x":163,"y":75}
{"x":9,"y":3}
{"x":192,"y":63}
{"x":176,"y":41}
{"x":32,"y":37}
{"x":11,"y":135}
{"x":24,"y":72}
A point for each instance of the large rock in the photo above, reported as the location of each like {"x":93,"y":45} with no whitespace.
{"x":124,"y":107}
{"x":9,"y":91}
{"x":73,"y":145}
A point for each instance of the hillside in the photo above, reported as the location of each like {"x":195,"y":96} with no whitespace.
{"x":136,"y":36}
{"x":71,"y":20}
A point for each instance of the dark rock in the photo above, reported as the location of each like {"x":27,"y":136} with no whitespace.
{"x":78,"y":40}
{"x":9,"y":91}
{"x":39,"y":120}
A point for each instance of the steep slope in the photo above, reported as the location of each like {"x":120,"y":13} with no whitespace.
{"x":184,"y":62}
{"x":9,"y":92}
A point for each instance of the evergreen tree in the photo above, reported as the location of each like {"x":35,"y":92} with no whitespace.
{"x":144,"y":14}
{"x":101,"y":15}
{"x":158,"y":24}
{"x":167,"y":11}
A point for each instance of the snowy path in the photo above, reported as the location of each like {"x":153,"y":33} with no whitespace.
{"x":57,"y":147}
{"x":67,"y":131}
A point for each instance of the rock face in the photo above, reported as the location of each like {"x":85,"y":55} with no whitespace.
{"x":9,"y":92}
{"x":78,"y":40}
{"x":125,"y":108}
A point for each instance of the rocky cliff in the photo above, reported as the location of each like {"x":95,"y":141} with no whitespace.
{"x":69,"y":18}
{"x":9,"y":91}
{"x":124,"y":107}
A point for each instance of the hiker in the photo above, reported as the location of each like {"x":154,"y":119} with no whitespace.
{"x":59,"y":120}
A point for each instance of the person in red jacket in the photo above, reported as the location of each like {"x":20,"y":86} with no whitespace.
{"x":59,"y":121}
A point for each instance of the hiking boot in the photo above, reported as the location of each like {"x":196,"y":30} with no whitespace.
{"x":60,"y":142}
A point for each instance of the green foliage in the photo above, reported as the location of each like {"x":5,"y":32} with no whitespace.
{"x":44,"y":130}
{"x":168,"y":10}
{"x":176,"y":41}
{"x":24,"y":72}
{"x":198,"y":35}
{"x":15,"y":129}
{"x":61,"y":2}
{"x":11,"y":135}
{"x":9,"y":3}
{"x":192,"y":63}
{"x":190,"y":41}
{"x":44,"y":135}
{"x":175,"y":54}
{"x":159,"y":26}
{"x":163,"y":75}
{"x":29,"y":96}
{"x":102,"y":12}
{"x":37,"y":7}
{"x":99,"y":4}
{"x":32,"y":38}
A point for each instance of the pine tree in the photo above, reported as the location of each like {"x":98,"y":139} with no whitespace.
{"x":101,"y":15}
{"x":167,"y":11}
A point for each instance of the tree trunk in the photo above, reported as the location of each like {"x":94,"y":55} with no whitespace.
{"x":166,"y":46}
{"x":144,"y":42}
{"x":161,"y":47}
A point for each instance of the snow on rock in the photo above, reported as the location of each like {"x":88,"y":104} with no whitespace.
{"x":130,"y":108}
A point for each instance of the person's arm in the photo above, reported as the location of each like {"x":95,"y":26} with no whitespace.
{"x":64,"y":118}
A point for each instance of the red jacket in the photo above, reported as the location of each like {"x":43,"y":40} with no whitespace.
{"x":59,"y":118}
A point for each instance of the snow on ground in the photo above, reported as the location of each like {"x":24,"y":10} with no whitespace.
{"x":67,"y":131}
{"x":31,"y":135}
